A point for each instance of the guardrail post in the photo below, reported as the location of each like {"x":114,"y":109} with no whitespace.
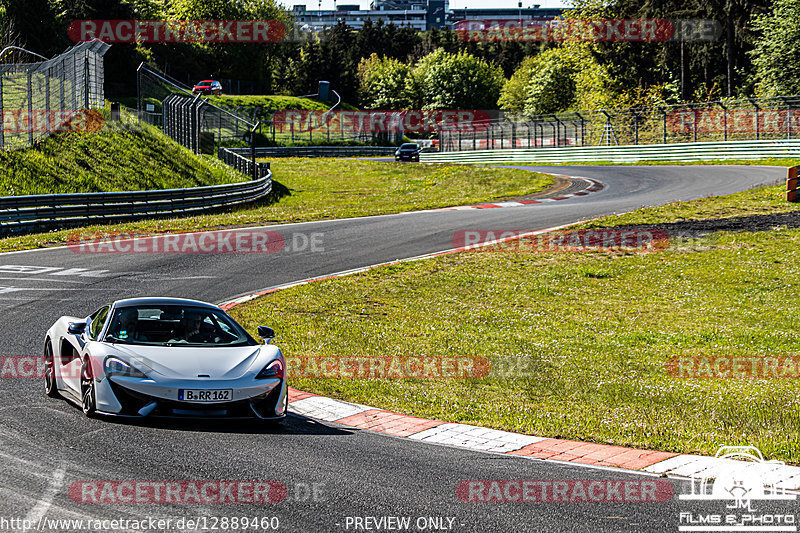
{"x":724,"y":121}
{"x":30,"y":107}
{"x":86,"y":81}
{"x":792,"y":185}
{"x":758,"y":125}
{"x":2,"y":129}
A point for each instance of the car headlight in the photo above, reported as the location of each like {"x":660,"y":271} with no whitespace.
{"x":118,"y":367}
{"x":272,"y":370}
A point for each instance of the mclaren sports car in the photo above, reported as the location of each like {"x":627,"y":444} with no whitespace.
{"x":165,"y":357}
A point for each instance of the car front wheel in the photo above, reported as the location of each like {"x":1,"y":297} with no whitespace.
{"x":88,"y":395}
{"x":50,"y":386}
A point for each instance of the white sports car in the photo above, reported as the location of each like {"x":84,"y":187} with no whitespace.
{"x":165,"y":357}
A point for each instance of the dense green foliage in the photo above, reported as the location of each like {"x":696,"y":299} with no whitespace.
{"x":456,"y":81}
{"x":754,"y":51}
{"x":385,"y":83}
{"x":440,"y":80}
{"x":776,"y":56}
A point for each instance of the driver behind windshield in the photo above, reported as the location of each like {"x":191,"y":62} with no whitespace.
{"x":193,"y":327}
{"x":127,"y":325}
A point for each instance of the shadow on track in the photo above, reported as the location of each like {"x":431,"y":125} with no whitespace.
{"x":293,"y":425}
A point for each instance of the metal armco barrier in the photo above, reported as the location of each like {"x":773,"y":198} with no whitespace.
{"x":27,"y":213}
{"x":235,"y":157}
{"x":792,"y":185}
{"x":627,"y":154}
{"x":320,"y":151}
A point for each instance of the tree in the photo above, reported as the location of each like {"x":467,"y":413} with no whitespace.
{"x":777,"y":55}
{"x":456,"y":81}
{"x":697,"y":65}
{"x":567,"y":77}
{"x":384,"y":83}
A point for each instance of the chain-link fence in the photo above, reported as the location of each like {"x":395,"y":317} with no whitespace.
{"x":749,"y":119}
{"x":152,"y":87}
{"x":190,"y":119}
{"x":333,"y":127}
{"x":283,"y":127}
{"x":229,"y":124}
{"x":37,"y":99}
{"x":200,"y":125}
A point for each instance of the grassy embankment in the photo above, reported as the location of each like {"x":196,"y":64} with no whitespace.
{"x":579,"y":340}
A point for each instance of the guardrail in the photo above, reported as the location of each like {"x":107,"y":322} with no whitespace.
{"x":627,"y":154}
{"x":26,"y":213}
{"x":319,"y":151}
{"x":234,"y":158}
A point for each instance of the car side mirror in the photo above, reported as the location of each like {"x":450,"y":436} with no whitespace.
{"x":76,"y":328}
{"x":266,"y":333}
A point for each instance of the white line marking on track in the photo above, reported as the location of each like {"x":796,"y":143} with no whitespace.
{"x":43,"y":279}
{"x":6,"y":290}
{"x":56,"y":482}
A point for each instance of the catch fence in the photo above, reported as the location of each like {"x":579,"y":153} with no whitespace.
{"x":729,"y":120}
{"x":37,"y":99}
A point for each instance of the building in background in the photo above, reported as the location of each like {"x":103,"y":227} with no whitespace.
{"x":418,"y":14}
{"x":354,"y":17}
{"x":504,"y":13}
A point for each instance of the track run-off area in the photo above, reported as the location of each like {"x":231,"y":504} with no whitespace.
{"x":336,"y":478}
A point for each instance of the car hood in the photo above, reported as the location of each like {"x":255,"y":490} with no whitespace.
{"x":190,"y":362}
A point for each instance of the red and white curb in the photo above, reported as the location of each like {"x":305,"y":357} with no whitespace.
{"x":482,"y":439}
{"x":592,"y":185}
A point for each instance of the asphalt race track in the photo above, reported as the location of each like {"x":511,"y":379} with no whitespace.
{"x":46,"y":445}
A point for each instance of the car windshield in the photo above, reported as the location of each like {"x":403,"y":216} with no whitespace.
{"x":173,"y":325}
{"x":409,"y":146}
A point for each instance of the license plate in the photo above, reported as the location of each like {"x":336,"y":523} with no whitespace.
{"x":202,"y":396}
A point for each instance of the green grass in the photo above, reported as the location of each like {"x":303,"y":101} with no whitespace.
{"x":272,"y":102}
{"x":116,"y":158}
{"x":578,"y":340}
{"x":132,"y":102}
{"x":756,"y":201}
{"x":321,"y":188}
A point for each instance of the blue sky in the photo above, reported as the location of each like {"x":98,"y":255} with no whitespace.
{"x":328,"y":4}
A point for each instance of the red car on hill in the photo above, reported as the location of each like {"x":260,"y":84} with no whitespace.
{"x":207,"y":87}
